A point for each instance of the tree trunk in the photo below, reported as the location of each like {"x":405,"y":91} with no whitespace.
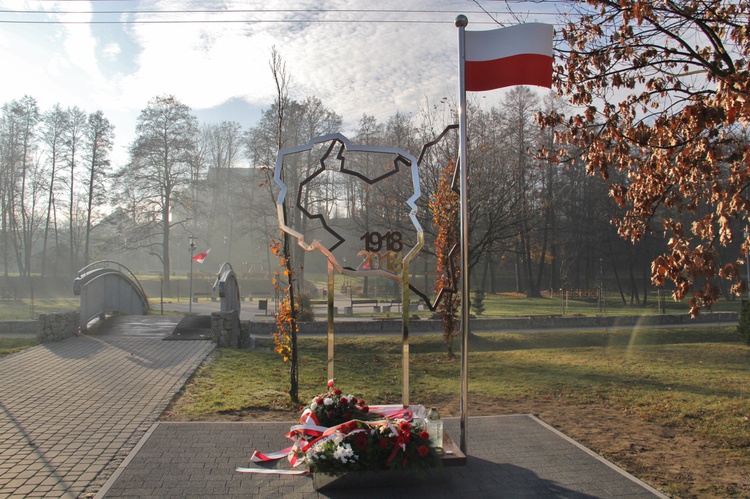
{"x":71,"y":211}
{"x":165,"y":262}
{"x":519,"y":285}
{"x":493,"y":276}
{"x":532,"y":290}
{"x":619,"y":284}
{"x":89,"y":207}
{"x":633,"y":286}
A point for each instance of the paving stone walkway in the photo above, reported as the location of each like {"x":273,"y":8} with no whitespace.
{"x":509,"y":457}
{"x":79,"y":417}
{"x":71,"y":411}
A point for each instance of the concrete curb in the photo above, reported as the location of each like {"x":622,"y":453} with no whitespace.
{"x":502,"y":324}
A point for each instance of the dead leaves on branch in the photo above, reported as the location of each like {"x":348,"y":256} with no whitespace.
{"x":664,"y":93}
{"x":286,"y":326}
{"x":444,"y":206}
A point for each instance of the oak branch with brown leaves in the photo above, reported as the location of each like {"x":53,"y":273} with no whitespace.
{"x":662,"y":93}
{"x":444,"y":206}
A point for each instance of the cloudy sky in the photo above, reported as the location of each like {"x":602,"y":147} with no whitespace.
{"x":357,"y":56}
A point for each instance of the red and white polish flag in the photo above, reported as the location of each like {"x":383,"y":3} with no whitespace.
{"x":201,"y":257}
{"x":516,"y":55}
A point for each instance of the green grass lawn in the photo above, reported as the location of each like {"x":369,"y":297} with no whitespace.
{"x":12,"y":345}
{"x":512,"y":304}
{"x":693,"y":377}
{"x":499,"y":305}
{"x":26,"y":309}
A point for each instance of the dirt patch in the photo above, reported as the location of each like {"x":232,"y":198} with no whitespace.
{"x":672,"y":460}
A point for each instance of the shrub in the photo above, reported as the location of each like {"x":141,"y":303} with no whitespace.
{"x":477,"y":304}
{"x":306,"y":312}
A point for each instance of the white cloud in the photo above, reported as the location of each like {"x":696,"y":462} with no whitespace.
{"x":355,"y":68}
{"x":111,"y":51}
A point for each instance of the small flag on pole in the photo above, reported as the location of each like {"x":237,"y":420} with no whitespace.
{"x":201,"y":257}
{"x":516,"y":55}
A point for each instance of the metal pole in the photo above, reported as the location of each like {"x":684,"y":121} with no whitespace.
{"x":330,"y":319}
{"x":190,"y":294}
{"x":461,"y":22}
{"x":405,"y":332}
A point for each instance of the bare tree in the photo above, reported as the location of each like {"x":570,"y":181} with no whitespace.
{"x":53,"y":130}
{"x":20,"y":194}
{"x":99,"y":142}
{"x":159,"y":168}
{"x":223,"y":146}
{"x":74,"y":138}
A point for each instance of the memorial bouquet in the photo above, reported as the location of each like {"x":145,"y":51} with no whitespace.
{"x":395,"y":445}
{"x":338,"y":434}
{"x":357,"y":438}
{"x":333,"y":407}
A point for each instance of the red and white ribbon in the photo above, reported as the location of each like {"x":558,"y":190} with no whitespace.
{"x":308,"y":432}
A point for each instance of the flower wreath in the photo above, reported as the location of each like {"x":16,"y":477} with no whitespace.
{"x":337,"y":434}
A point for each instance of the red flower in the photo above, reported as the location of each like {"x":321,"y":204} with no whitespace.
{"x":383,"y":443}
{"x":362,"y":402}
{"x":330,"y":414}
{"x":423,"y":450}
{"x":347,"y":415}
{"x":319,"y":400}
{"x":365,"y":409}
{"x":360,"y":442}
{"x":346,"y":428}
{"x":330,"y":383}
{"x":424,"y":435}
{"x":344,"y":400}
{"x":337,"y":391}
{"x":405,"y":427}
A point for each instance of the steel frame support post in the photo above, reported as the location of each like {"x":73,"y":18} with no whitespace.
{"x":405,"y":332}
{"x":331,"y":273}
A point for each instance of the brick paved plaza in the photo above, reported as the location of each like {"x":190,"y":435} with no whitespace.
{"x":79,"y":417}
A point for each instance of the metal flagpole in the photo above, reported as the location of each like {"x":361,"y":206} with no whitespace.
{"x":461,"y":22}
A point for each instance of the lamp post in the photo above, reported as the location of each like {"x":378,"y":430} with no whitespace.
{"x":190,"y":294}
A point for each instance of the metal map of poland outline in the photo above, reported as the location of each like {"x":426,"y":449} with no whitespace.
{"x":402,"y":160}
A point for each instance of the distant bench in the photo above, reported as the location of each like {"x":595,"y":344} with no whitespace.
{"x":386,"y":306}
{"x":198,"y":294}
{"x":582,"y":294}
{"x":374,"y":303}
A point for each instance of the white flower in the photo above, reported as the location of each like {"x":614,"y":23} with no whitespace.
{"x":343,"y":452}
{"x":352,"y":399}
{"x":328,"y":401}
{"x":313,"y":405}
